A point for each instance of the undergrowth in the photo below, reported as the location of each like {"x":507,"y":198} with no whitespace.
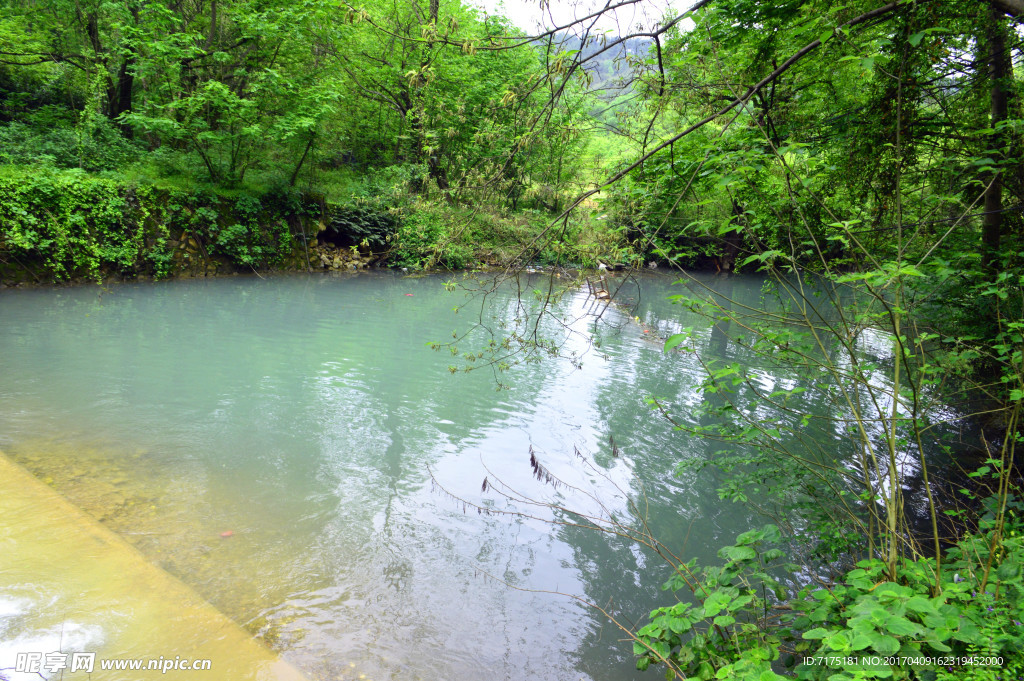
{"x":963,"y":620}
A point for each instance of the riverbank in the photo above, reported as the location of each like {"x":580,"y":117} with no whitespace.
{"x":66,"y":226}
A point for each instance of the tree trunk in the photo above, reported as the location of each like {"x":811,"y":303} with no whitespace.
{"x":418,"y":127}
{"x":298,"y":166}
{"x":733,"y":240}
{"x":438,"y":172}
{"x":1000,"y":72}
{"x":121,"y":96}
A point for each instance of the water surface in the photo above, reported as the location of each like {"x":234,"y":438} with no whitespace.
{"x":308,"y":418}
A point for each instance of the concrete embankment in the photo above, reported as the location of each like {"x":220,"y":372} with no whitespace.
{"x":69,"y":585}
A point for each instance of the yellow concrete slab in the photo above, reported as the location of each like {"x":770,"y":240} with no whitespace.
{"x":68,"y":584}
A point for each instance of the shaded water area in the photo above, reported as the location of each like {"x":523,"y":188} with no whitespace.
{"x":274,"y":444}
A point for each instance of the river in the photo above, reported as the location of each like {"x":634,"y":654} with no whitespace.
{"x":292,"y":449}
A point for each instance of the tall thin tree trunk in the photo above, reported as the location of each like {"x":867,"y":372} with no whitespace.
{"x":1000,"y":72}
{"x":298,"y":166}
{"x":420,"y":152}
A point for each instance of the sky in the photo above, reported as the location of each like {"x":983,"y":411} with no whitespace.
{"x":528,"y":15}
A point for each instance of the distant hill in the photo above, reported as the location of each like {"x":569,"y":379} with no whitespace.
{"x":610,"y":68}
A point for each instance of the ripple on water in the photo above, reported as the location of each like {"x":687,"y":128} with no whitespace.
{"x":274,"y":444}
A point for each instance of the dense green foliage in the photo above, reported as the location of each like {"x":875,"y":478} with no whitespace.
{"x":866,"y":625}
{"x":887,"y":125}
{"x":78,"y":225}
{"x":385,"y":109}
{"x":864,"y":156}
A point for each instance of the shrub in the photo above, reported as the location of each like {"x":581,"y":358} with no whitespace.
{"x":57,"y":143}
{"x":425,"y":240}
{"x":966,"y":622}
{"x":73,"y":224}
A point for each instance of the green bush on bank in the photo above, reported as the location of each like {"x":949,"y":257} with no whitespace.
{"x":437,"y":234}
{"x":427,"y":238}
{"x":49,"y":137}
{"x":67,"y":224}
{"x":967,"y":624}
{"x":70,"y":224}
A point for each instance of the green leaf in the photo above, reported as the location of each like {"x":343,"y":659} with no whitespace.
{"x":968,"y":632}
{"x":715,"y":603}
{"x":910,"y":270}
{"x":739,"y":553}
{"x":883,"y":644}
{"x":838,"y":641}
{"x":674,"y":340}
{"x":769,"y":675}
{"x":921,"y":605}
{"x":860,"y":641}
{"x":1008,"y":570}
{"x":901,"y":626}
{"x":738,"y":603}
{"x":916,"y":39}
{"x":750,"y":536}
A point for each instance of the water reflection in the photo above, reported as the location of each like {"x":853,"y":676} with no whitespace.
{"x":307,"y":417}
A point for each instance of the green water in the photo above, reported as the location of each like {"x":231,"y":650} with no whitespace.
{"x":307,"y":417}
